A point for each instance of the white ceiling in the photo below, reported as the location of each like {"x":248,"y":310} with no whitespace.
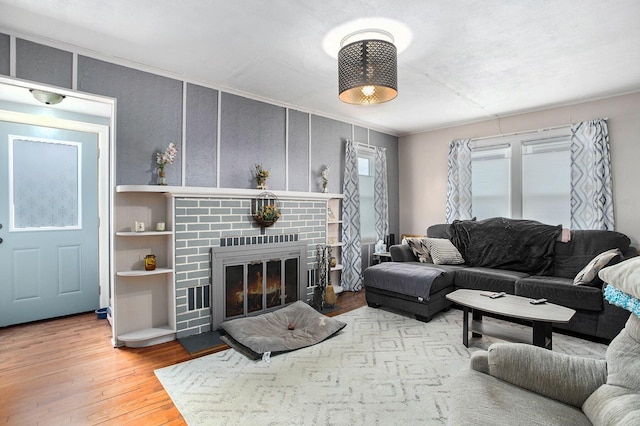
{"x":465,"y":61}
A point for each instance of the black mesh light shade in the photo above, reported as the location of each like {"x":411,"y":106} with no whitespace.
{"x":368,"y":72}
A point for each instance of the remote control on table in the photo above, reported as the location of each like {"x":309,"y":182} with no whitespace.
{"x":496,"y":295}
{"x":538,"y":301}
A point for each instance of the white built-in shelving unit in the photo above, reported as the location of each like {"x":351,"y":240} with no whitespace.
{"x":334,"y":238}
{"x":143,"y":302}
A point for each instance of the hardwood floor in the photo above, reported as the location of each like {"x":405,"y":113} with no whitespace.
{"x":65,"y":372}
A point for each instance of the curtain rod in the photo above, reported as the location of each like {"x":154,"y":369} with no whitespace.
{"x":365,"y":145}
{"x":525,"y":132}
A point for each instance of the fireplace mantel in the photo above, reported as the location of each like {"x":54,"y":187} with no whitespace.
{"x":202,"y":191}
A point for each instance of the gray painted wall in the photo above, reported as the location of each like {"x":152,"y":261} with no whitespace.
{"x":251,"y":132}
{"x":4,"y":54}
{"x":43,"y":64}
{"x":150,"y":115}
{"x":327,"y":149}
{"x":360,"y":134}
{"x":298,"y":149}
{"x":202,"y":133}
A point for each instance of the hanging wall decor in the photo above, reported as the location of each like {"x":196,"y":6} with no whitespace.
{"x":265,"y":209}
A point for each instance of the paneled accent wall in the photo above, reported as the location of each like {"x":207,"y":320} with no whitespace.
{"x":200,"y":223}
{"x":220,"y":136}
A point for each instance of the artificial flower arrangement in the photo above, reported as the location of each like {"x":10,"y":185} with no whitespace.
{"x":261,"y":176}
{"x":269,"y":212}
{"x":266,"y":214}
{"x":168,"y":157}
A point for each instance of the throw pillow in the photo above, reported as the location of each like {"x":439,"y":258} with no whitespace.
{"x":443,"y":252}
{"x":589,"y":274}
{"x":419,"y":249}
{"x":625,"y":276}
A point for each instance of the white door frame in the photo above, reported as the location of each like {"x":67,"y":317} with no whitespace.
{"x":105,"y":168}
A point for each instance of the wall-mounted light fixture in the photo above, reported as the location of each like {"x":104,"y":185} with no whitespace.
{"x":45,"y":97}
{"x":367,"y":67}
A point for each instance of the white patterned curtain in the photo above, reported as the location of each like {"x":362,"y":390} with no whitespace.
{"x":591,"y":191}
{"x":380,"y":194}
{"x":351,"y":278}
{"x":458,"y":204}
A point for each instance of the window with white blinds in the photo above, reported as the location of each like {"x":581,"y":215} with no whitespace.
{"x":546,"y":181}
{"x":523,"y":177}
{"x":491,"y":182}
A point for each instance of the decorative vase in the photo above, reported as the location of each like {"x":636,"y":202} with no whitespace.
{"x":150,"y":262}
{"x":262,"y":185}
{"x":330,"y":297}
{"x":162,"y":180}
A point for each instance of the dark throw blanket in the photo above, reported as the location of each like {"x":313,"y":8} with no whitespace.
{"x":402,"y":277}
{"x":292,"y":327}
{"x":513,"y":244}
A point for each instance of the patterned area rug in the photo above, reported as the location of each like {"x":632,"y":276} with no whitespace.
{"x":383,"y":368}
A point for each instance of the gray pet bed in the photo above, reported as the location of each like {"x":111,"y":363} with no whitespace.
{"x":292,"y":327}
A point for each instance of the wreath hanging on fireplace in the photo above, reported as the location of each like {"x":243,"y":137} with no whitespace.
{"x":265,"y":209}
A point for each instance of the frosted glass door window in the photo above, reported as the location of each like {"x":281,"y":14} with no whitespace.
{"x":45,"y":184}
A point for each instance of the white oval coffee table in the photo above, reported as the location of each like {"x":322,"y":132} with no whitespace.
{"x":542,"y":316}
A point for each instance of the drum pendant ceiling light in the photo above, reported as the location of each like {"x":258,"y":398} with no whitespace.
{"x":367,"y":68}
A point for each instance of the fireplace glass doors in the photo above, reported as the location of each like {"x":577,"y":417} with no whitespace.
{"x":260,"y":286}
{"x":256,"y":278}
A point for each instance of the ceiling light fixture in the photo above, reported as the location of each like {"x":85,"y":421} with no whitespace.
{"x":48,"y":98}
{"x":367,"y":68}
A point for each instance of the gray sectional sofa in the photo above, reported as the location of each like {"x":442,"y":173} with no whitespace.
{"x":553,"y":279}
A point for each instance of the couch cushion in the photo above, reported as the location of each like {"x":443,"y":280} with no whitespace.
{"x":571,"y":257}
{"x":419,"y":249}
{"x":589,"y":274}
{"x":391,"y":276}
{"x":480,"y":278}
{"x":480,"y":399}
{"x":560,"y":291}
{"x":440,"y":230}
{"x":443,"y":252}
{"x":624,"y":276}
{"x":613,"y":405}
{"x":402,"y":253}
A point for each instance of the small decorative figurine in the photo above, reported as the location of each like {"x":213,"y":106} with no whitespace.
{"x":325,"y":178}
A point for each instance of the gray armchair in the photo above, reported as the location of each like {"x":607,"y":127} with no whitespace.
{"x":518,"y":384}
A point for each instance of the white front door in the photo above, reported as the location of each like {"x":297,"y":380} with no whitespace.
{"x":49,"y":216}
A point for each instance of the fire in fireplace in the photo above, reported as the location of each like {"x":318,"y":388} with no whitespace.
{"x":264,"y":286}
